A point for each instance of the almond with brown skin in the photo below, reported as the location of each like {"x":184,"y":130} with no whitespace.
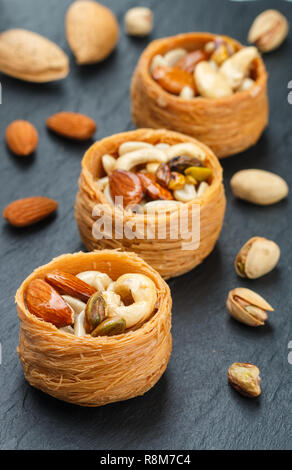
{"x":72,"y":125}
{"x":190,"y":60}
{"x":173,"y":79}
{"x":68,"y":284}
{"x":44,"y":302}
{"x":28,"y":211}
{"x":127,"y":185}
{"x":153,"y":189}
{"x":21,"y":137}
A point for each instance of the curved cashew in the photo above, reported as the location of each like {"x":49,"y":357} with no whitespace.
{"x":186,"y":194}
{"x":100,"y":281}
{"x":173,"y":56}
{"x":210,"y":83}
{"x":108,"y":163}
{"x":142,"y":290}
{"x":189,"y":149}
{"x":237,"y":66}
{"x":79,"y":329}
{"x":102,"y":182}
{"x":131,"y":159}
{"x":131,"y":146}
{"x":76,"y":304}
{"x":161,"y":206}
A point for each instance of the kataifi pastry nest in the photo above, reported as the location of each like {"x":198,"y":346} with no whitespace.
{"x":227,"y":125}
{"x":166,"y":255}
{"x":92,"y":371}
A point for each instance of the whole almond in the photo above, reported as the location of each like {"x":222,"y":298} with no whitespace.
{"x":68,"y":284}
{"x":21,"y":137}
{"x":72,"y":125}
{"x":31,"y":57}
{"x":28,"y":211}
{"x":44,"y":302}
{"x":92,"y":31}
{"x":127,"y":185}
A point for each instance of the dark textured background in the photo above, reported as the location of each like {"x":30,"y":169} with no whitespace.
{"x":192,"y":406}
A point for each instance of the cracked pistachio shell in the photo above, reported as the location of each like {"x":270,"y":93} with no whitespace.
{"x":254,"y":313}
{"x":268,"y":30}
{"x":245,"y":379}
{"x":259,"y":186}
{"x":257,"y":257}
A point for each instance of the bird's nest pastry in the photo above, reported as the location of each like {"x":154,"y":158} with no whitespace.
{"x":94,"y":327}
{"x":209,"y":87}
{"x":155,"y":192}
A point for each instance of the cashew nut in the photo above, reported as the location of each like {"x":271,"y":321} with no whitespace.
{"x":202,"y":188}
{"x":236,"y":68}
{"x":188,"y":148}
{"x":210,"y":83}
{"x":142,"y":291}
{"x":146,"y":155}
{"x":131,"y":146}
{"x":76,"y":304}
{"x":100,"y":281}
{"x":173,"y":56}
{"x":161,"y":206}
{"x":186,"y":194}
{"x":108,"y":163}
{"x":79,"y":329}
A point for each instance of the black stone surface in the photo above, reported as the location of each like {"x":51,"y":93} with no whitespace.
{"x":192,"y":406}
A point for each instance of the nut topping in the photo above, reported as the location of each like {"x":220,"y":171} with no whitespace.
{"x":127,"y":185}
{"x":257,"y":257}
{"x":44,"y":302}
{"x":245,"y":379}
{"x":268,"y":30}
{"x":95,"y":312}
{"x":163,"y":174}
{"x":110,"y":327}
{"x":248,"y":307}
{"x":173,"y":79}
{"x":190,"y":60}
{"x":152,"y":188}
{"x":68,"y":284}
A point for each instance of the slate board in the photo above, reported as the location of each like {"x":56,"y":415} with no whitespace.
{"x":192,"y":406}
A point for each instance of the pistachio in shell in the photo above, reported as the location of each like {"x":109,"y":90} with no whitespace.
{"x":199,"y":173}
{"x":181,"y":163}
{"x":259,"y":186}
{"x":95,"y":312}
{"x":245,"y":379}
{"x":257,"y":257}
{"x":110,"y":327}
{"x":248,"y":307}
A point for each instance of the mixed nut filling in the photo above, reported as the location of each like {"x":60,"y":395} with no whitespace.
{"x":155,"y":177}
{"x":91,"y":302}
{"x":218,"y":69}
